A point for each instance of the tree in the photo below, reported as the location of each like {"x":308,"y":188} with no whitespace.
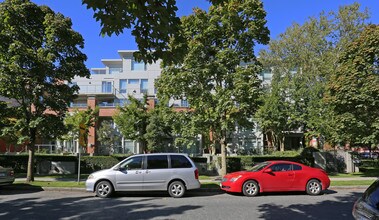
{"x":39,"y":52}
{"x":154,"y":25}
{"x":132,"y":120}
{"x":108,"y":136}
{"x":273,"y":116}
{"x":78,"y":124}
{"x":353,"y":91}
{"x":151,"y":127}
{"x":159,"y":129}
{"x":302,"y":60}
{"x":221,"y":91}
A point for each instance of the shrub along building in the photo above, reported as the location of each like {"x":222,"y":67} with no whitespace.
{"x":110,"y":86}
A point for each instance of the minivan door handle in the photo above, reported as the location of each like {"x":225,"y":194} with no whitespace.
{"x":148,"y":171}
{"x":138,"y":172}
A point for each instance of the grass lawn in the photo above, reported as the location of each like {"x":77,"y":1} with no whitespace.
{"x":53,"y":184}
{"x":352,"y":183}
{"x":368,"y":172}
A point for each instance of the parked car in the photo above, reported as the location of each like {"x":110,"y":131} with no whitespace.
{"x":276,"y":176}
{"x":172,"y":172}
{"x":367,"y":206}
{"x":6,"y":176}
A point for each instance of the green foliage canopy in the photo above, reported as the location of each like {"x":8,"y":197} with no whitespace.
{"x":354,"y":91}
{"x":220,"y":90}
{"x":39,"y":52}
{"x":151,"y":127}
{"x":302,"y":60}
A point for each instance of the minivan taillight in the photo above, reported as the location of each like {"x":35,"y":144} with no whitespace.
{"x":11,"y":173}
{"x":196,"y":174}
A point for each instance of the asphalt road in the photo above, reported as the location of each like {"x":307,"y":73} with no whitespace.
{"x":22,"y":204}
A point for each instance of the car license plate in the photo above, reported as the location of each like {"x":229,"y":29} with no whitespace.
{"x":2,"y":174}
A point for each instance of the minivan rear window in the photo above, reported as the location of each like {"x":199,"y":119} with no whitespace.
{"x":180,"y":161}
{"x":157,"y":162}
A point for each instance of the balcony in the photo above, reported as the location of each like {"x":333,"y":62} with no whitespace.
{"x":97,"y":90}
{"x":78,"y":105}
{"x":98,"y":71}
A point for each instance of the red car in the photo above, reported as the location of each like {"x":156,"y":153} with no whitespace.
{"x":276,"y":176}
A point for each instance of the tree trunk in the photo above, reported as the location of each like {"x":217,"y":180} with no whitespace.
{"x":31,"y":149}
{"x":143,"y":146}
{"x":223,"y":153}
{"x":30,"y":171}
{"x":282,"y":143}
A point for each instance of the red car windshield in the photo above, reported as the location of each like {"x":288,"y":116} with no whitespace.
{"x":259,"y":166}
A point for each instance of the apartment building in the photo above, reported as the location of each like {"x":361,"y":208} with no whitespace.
{"x":109,"y":87}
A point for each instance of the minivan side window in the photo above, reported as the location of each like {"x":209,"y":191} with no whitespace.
{"x":157,"y":162}
{"x":134,"y":163}
{"x":180,"y":161}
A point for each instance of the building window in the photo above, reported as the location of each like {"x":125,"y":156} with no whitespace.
{"x":133,"y":81}
{"x":144,"y":86}
{"x":129,"y":147}
{"x":122,"y":85}
{"x":115,"y":70}
{"x":138,"y":66}
{"x":184,"y":103}
{"x":106,"y":87}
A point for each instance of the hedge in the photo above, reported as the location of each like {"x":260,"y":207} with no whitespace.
{"x":90,"y":164}
{"x":238,"y":163}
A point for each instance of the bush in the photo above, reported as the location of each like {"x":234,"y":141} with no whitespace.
{"x":289,"y":153}
{"x":95,"y":163}
{"x":307,"y":155}
{"x":199,"y":159}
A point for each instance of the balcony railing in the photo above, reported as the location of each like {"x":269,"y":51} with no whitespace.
{"x":78,"y":105}
{"x":98,"y":71}
{"x":96,"y":89}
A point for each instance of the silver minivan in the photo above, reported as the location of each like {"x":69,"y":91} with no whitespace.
{"x":171,"y":172}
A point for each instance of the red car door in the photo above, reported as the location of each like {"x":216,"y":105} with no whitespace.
{"x":280,"y":178}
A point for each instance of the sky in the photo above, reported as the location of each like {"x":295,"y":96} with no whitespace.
{"x":281,"y":14}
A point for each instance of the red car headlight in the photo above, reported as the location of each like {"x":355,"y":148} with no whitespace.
{"x":235,"y":178}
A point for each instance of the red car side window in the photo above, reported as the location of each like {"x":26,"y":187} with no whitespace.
{"x":281,"y":167}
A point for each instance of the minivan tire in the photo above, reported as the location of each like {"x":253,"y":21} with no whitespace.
{"x":104,"y":189}
{"x":176,"y":189}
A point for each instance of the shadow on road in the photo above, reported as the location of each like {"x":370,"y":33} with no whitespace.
{"x":329,"y":209}
{"x":19,"y":189}
{"x":190,"y":193}
{"x":88,"y":207}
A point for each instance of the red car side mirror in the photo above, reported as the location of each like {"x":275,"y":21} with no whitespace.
{"x":268,"y":170}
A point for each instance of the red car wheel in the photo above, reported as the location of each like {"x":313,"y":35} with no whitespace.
{"x":314,"y":187}
{"x":250,"y":188}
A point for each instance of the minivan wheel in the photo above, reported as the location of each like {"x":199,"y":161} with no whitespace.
{"x":104,"y":189}
{"x":176,"y":189}
{"x":314,"y":187}
{"x":250,"y":188}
